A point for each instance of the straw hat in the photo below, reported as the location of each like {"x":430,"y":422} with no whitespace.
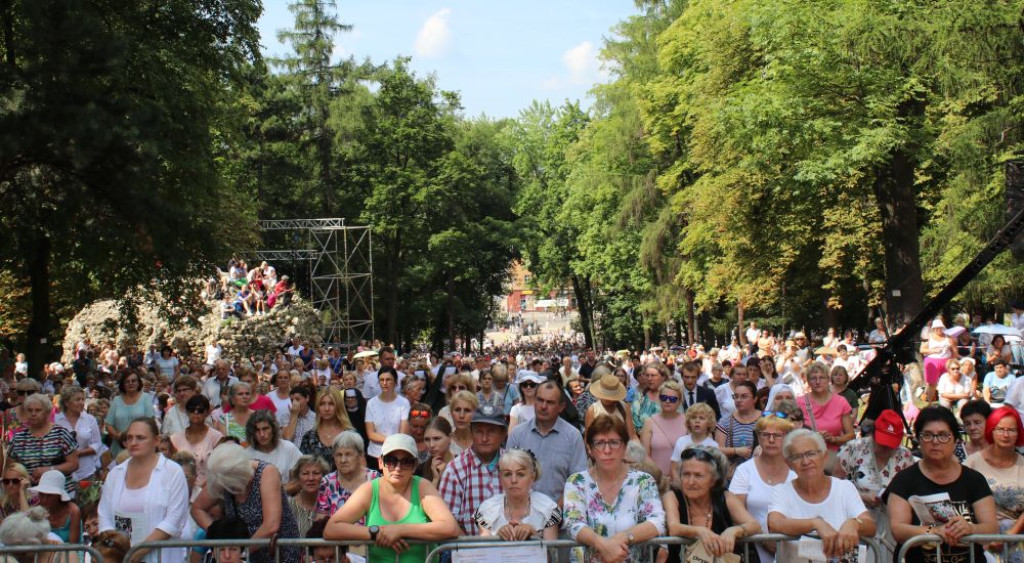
{"x":608,"y":388}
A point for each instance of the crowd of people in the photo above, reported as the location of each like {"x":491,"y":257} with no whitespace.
{"x":608,"y":449}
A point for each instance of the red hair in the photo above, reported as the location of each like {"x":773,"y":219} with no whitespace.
{"x":999,"y":414}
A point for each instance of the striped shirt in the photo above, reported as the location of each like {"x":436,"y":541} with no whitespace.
{"x":51,"y":449}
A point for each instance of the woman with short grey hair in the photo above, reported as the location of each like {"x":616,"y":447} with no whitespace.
{"x":233,"y":423}
{"x":44,"y":445}
{"x":250,"y":490}
{"x":350,"y":460}
{"x":816,"y":502}
{"x":31,"y":527}
{"x":86,"y":429}
{"x":520,"y":513}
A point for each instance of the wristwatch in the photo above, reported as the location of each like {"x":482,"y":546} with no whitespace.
{"x":629,"y":538}
{"x":374,"y":530}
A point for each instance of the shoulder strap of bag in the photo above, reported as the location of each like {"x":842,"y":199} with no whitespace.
{"x":810,"y":411}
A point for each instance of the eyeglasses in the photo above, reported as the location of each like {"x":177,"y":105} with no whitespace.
{"x":607,"y":444}
{"x":1007,"y":431}
{"x":769,"y":436}
{"x":419,"y":414}
{"x":11,"y":481}
{"x":942,"y":437}
{"x":668,"y":399}
{"x":805,"y":455}
{"x":391,"y":462}
{"x":528,"y":384}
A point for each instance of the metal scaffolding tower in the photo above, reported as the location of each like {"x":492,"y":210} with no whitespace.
{"x":340,"y":259}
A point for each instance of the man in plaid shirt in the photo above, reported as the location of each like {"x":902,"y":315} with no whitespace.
{"x":472,"y":477}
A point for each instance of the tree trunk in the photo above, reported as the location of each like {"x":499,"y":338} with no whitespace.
{"x":691,"y":318}
{"x":581,"y":288}
{"x":450,"y":309}
{"x":7,"y":25}
{"x":39,"y":326}
{"x":740,"y":332}
{"x":894,"y":192}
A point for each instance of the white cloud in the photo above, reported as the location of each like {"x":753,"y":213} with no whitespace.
{"x":582,"y":65}
{"x":434,"y":37}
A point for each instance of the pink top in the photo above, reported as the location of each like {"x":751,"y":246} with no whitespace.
{"x":827,"y":417}
{"x":201,"y":451}
{"x":664,"y":435}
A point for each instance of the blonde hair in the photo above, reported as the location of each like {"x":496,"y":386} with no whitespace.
{"x":465,"y":397}
{"x":340,"y":413}
{"x":699,"y":409}
{"x":228,"y":470}
{"x":23,"y":501}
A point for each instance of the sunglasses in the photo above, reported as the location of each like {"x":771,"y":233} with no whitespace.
{"x":777,"y":414}
{"x":528,"y":384}
{"x":10,"y":481}
{"x":697,"y":453}
{"x":459,"y":388}
{"x":197,"y":410}
{"x":419,"y":414}
{"x":24,"y":393}
{"x":391,"y":462}
{"x":668,"y":399}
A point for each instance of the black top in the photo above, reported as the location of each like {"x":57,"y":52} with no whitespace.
{"x":968,"y":488}
{"x":720,"y":520}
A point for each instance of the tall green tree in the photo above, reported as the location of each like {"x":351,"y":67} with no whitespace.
{"x":109,"y":142}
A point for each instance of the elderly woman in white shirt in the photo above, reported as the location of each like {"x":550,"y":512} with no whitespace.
{"x":72,"y":416}
{"x":146,"y":497}
{"x":520,"y":513}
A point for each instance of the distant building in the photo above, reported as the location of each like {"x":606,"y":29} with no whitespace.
{"x":525,"y":296}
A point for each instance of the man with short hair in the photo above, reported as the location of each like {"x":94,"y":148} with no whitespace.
{"x":553,"y":440}
{"x":221,"y":378}
{"x":693,"y":393}
{"x":371,"y":386}
{"x":472,"y":477}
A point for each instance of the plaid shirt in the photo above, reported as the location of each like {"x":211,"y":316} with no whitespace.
{"x":466,"y":483}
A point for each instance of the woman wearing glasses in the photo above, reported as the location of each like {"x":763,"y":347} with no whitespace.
{"x":825,"y":412}
{"x":523,"y":411}
{"x":337,"y":487}
{"x":702,"y":509}
{"x":1000,"y":463}
{"x":755,"y":479}
{"x":815,"y":503}
{"x":397,"y":507}
{"x":197,"y":438}
{"x":735,"y":433}
{"x":452,"y":386}
{"x":44,"y":445}
{"x":611,"y":508}
{"x":970,"y":497}
{"x":661,"y":431}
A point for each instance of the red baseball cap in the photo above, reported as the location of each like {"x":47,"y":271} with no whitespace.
{"x":889,"y":429}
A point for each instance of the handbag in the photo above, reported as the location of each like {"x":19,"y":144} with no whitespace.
{"x":697,"y":553}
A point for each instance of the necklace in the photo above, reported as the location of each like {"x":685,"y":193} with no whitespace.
{"x":509,"y":515}
{"x":707,"y":517}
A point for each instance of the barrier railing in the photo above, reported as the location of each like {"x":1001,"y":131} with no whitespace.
{"x":562,"y":547}
{"x":60,"y":553}
{"x":1007,"y":540}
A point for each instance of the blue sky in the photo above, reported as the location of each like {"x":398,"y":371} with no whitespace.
{"x":498,"y":55}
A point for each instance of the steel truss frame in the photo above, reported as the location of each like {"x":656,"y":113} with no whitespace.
{"x":340,"y":260}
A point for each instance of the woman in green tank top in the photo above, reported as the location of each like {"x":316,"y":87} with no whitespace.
{"x":397,"y":507}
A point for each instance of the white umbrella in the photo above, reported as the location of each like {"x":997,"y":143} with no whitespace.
{"x":955,"y":331}
{"x":998,"y":329}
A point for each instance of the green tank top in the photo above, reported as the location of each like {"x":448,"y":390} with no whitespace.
{"x":415,"y":553}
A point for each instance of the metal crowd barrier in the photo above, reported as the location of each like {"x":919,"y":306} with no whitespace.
{"x":1005,"y":539}
{"x":561,"y":547}
{"x":60,"y":553}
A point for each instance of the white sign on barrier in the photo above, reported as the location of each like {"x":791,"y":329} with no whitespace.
{"x":527,"y":554}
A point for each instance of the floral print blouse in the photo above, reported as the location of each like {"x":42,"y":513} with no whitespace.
{"x":331,"y":495}
{"x":857,"y":458}
{"x":637,"y":502}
